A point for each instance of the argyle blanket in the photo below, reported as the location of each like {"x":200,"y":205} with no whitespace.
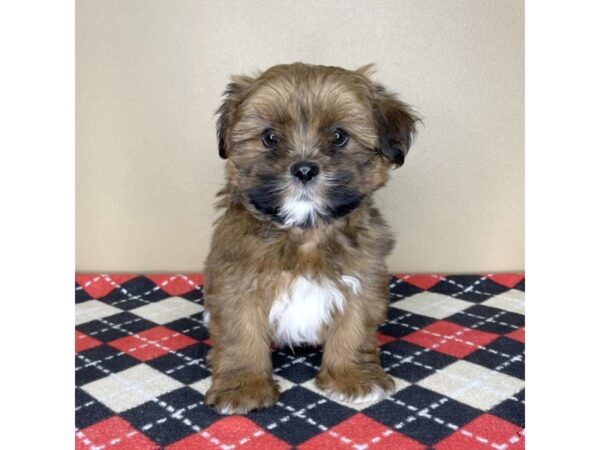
{"x":454,"y":345}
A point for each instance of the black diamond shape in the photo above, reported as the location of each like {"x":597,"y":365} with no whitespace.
{"x":454,"y":284}
{"x":197,"y":412}
{"x":482,"y":290}
{"x":195,"y":295}
{"x":164,"y":420}
{"x":387,"y":412}
{"x":411,"y":362}
{"x":486,"y":318}
{"x":139,"y":287}
{"x":100,"y":362}
{"x":102,"y":331}
{"x":400,"y":289}
{"x":401,"y":323}
{"x":491,"y":287}
{"x":423,"y":429}
{"x":128,"y":321}
{"x":134,"y":293}
{"x":327,"y":413}
{"x":88,"y":410}
{"x":503,"y":355}
{"x":297,"y":365}
{"x":81,"y":295}
{"x":185,"y":370}
{"x":271,"y":418}
{"x":512,"y":409}
{"x":116,"y":326}
{"x":282,"y":421}
{"x":446,"y":409}
{"x":284,"y":425}
{"x":422,"y":414}
{"x":294,"y":430}
{"x":155,"y":422}
{"x":192,"y":326}
{"x":86,"y":374}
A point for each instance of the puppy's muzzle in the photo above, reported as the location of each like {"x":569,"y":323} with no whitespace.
{"x":305,"y":171}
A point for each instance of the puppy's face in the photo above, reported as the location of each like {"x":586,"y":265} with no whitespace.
{"x":306,"y":144}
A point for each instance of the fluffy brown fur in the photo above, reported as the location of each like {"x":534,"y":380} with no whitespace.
{"x":258,"y":251}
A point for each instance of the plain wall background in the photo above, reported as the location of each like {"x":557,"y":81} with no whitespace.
{"x":149,"y":78}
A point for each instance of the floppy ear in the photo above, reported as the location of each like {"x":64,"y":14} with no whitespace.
{"x":234,"y":96}
{"x":396,"y":124}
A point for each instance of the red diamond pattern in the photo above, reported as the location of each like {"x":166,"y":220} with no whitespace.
{"x":518,"y":335}
{"x":384,"y":339}
{"x":84,"y":342}
{"x":98,"y":286}
{"x":359,"y":431}
{"x":231,"y":432}
{"x":113,"y":433}
{"x":152,"y":343}
{"x":449,"y":338}
{"x":177,"y":284}
{"x":421,"y":281}
{"x":508,"y":280}
{"x":485,"y":433}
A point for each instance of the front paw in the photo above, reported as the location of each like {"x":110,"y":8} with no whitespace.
{"x":355,"y":383}
{"x":241,"y":395}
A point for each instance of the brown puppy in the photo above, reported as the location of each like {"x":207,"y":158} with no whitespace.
{"x":298,"y":254}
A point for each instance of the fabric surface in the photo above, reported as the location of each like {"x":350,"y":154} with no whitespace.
{"x":454,"y":345}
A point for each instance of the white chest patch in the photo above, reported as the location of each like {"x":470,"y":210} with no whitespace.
{"x":299,"y":314}
{"x":297,"y":212}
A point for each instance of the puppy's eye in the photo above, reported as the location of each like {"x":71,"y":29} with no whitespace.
{"x":340,"y":137}
{"x":269,"y":138}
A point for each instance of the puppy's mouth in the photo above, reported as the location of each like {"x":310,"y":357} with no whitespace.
{"x":290,"y":205}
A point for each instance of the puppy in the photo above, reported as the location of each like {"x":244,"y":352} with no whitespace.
{"x":297,"y":256}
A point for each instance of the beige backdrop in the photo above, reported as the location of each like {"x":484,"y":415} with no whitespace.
{"x":149,"y":78}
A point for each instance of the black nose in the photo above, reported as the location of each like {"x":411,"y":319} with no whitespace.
{"x":305,"y":171}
